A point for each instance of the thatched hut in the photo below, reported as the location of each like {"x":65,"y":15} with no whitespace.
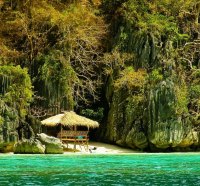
{"x":71,"y":121}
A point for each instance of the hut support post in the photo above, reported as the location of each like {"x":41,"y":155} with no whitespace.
{"x":61,"y":132}
{"x":75,"y":129}
{"x":87,"y":141}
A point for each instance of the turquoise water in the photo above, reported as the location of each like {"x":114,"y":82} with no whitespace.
{"x":134,"y":169}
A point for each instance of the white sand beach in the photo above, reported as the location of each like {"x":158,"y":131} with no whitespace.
{"x":101,"y":148}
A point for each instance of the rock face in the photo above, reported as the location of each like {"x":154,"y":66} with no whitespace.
{"x":8,"y":131}
{"x":32,"y":146}
{"x":125,"y":125}
{"x":10,"y":125}
{"x":159,"y":127}
{"x":166,"y":128}
{"x":164,"y":113}
{"x":6,"y":147}
{"x":136,"y":138}
{"x":53,"y":145}
{"x":155,"y":118}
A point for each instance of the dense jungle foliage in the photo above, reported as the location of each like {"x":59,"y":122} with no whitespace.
{"x":132,"y":65}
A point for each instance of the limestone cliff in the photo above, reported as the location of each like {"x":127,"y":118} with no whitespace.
{"x":158,"y":110}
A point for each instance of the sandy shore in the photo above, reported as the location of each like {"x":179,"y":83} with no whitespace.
{"x":94,"y":148}
{"x":101,"y":148}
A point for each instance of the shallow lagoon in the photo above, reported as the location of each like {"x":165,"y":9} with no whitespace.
{"x":132,"y":169}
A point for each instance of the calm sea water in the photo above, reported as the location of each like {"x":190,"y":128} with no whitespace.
{"x":138,"y":169}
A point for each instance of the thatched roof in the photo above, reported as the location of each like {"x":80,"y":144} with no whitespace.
{"x":70,"y":118}
{"x":53,"y":120}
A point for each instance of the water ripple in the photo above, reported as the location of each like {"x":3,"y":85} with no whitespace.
{"x":116,"y":170}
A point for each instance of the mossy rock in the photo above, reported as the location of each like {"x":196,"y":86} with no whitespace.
{"x":6,"y":147}
{"x":32,"y":146}
{"x":53,"y":145}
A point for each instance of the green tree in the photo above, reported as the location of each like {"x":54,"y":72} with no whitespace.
{"x":68,"y":32}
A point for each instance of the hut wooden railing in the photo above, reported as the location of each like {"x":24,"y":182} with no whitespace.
{"x":77,"y":137}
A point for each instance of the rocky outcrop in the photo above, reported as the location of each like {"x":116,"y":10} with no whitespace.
{"x":8,"y":131}
{"x":166,"y":125}
{"x":12,"y":128}
{"x":53,"y":145}
{"x":124,"y":125}
{"x":136,"y":139}
{"x":6,"y":147}
{"x":163,"y":124}
{"x":173,"y":134}
{"x":167,"y":117}
{"x":32,"y":146}
{"x":44,"y":144}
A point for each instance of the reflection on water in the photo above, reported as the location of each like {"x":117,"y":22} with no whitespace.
{"x":137,"y":169}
